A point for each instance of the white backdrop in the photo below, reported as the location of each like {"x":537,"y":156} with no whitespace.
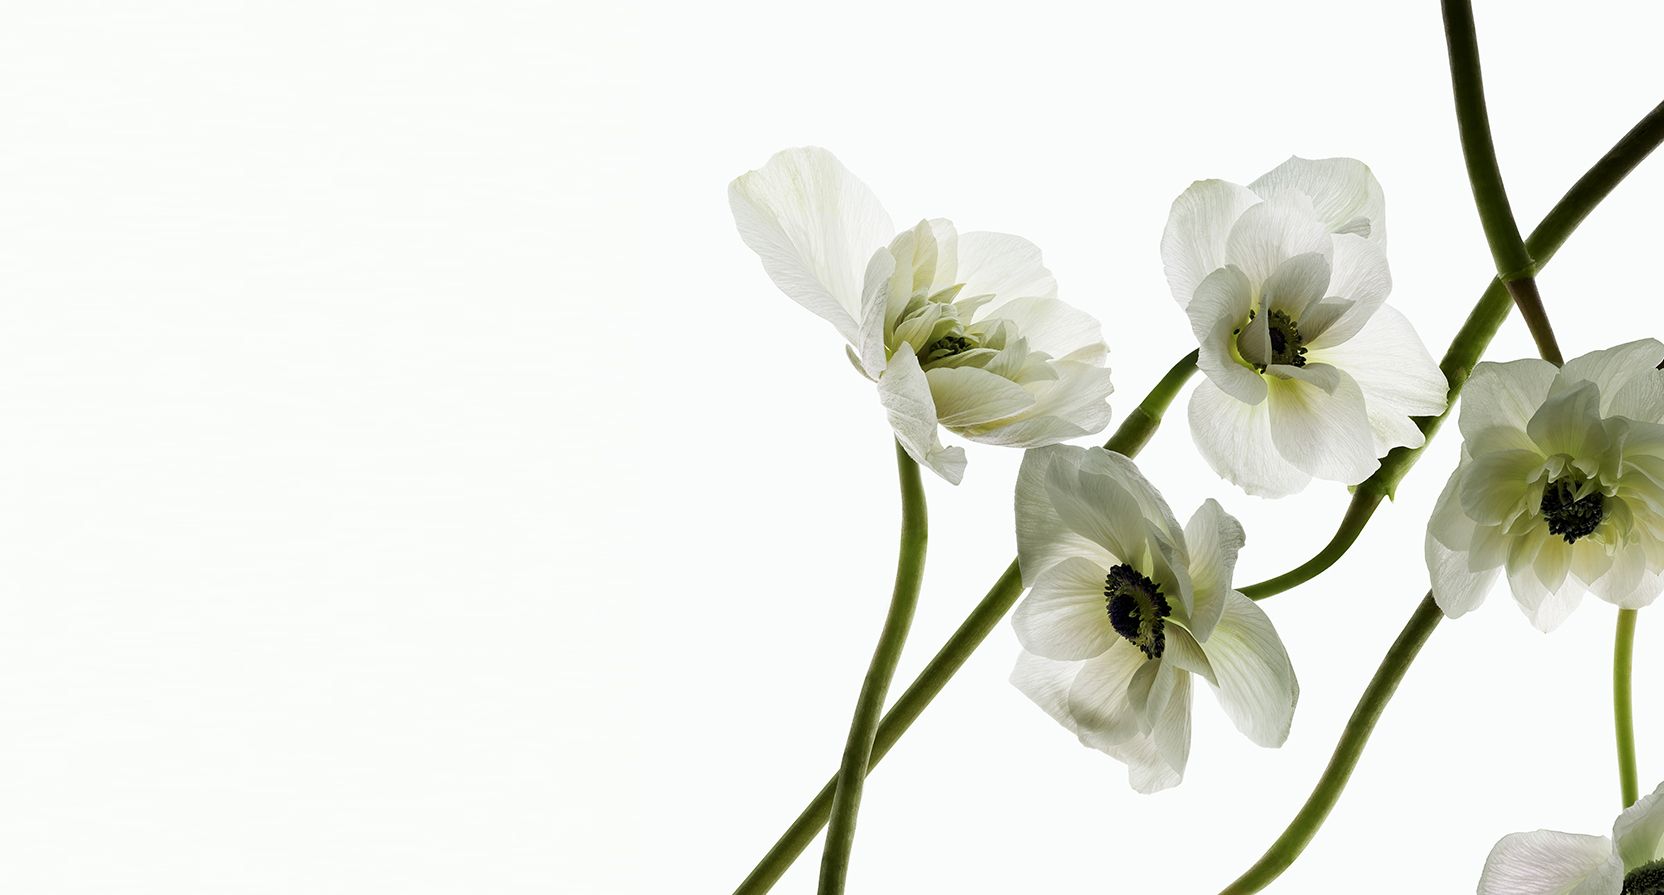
{"x":412,"y":484}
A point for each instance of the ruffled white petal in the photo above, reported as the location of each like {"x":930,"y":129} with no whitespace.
{"x":905,"y":392}
{"x":1220,"y":307}
{"x":1097,"y":701}
{"x":1063,"y":616}
{"x":1047,"y":683}
{"x":1457,"y":587}
{"x":1630,"y":383}
{"x":1070,"y":406}
{"x":1193,"y":243}
{"x":1504,"y":395}
{"x":1344,"y":193}
{"x":1297,"y":283}
{"x":1548,"y":862}
{"x":1055,"y":327}
{"x":967,"y":396}
{"x":1043,"y":538}
{"x":815,"y":226}
{"x":1639,"y":831}
{"x":1324,"y":433}
{"x":1214,"y":538}
{"x":1007,"y":267}
{"x":1359,"y":283}
{"x":1235,"y":439}
{"x":1256,"y":683}
{"x":1398,"y":378}
{"x":1272,"y":232}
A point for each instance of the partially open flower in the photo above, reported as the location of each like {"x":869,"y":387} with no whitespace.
{"x":1560,"y":484}
{"x":959,"y":329}
{"x":1126,"y":606}
{"x":1309,"y":373}
{"x":1547,"y":862}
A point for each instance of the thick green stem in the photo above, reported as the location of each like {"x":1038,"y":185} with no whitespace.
{"x":1623,"y":705}
{"x":1133,"y":433}
{"x":863,"y":728}
{"x":1306,"y":822}
{"x":1514,"y":266}
{"x":1476,"y":335}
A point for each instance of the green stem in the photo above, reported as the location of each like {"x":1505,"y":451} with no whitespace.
{"x":1134,"y":432}
{"x":1623,"y":706}
{"x":852,"y":772}
{"x":1473,"y":123}
{"x":1514,"y":266}
{"x":1306,"y":822}
{"x":1476,"y":335}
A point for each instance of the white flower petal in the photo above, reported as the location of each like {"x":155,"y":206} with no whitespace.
{"x":814,"y":225}
{"x":1504,"y":395}
{"x":1007,"y":267}
{"x":1296,"y":284}
{"x":869,"y":352}
{"x":905,"y":393}
{"x":1043,"y":539}
{"x":1221,"y":304}
{"x":1457,"y":588}
{"x":1063,"y":617}
{"x":1193,"y":243}
{"x":1639,"y":830}
{"x":1074,"y":404}
{"x":1155,"y":761}
{"x":1272,"y":232}
{"x":1256,"y":683}
{"x":1098,"y":703}
{"x":1047,"y":683}
{"x":967,"y":396}
{"x":1548,"y":862}
{"x":1359,"y":283}
{"x":1398,"y":378}
{"x":1235,"y":439}
{"x":1097,"y":507}
{"x":1055,"y":327}
{"x":1630,"y":383}
{"x":1569,"y":421}
{"x":1325,"y":434}
{"x":1343,"y":192}
{"x":1213,"y":537}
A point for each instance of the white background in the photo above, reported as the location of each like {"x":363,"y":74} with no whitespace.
{"x":411,"y":484}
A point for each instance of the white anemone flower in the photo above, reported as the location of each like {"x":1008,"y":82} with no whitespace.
{"x":1548,"y":862}
{"x":1309,"y":373}
{"x":962,"y":330}
{"x":1126,"y":606}
{"x":1560,"y":484}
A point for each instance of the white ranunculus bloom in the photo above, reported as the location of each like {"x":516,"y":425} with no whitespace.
{"x":1308,"y":372}
{"x":1560,"y":484}
{"x":1547,"y":862}
{"x":1126,"y":606}
{"x":959,"y":329}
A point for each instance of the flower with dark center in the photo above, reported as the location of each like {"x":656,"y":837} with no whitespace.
{"x":1568,"y":515}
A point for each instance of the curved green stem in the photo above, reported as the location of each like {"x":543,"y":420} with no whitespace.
{"x":1623,"y":705}
{"x":1134,"y":432}
{"x":1311,"y":815}
{"x":1514,"y":266}
{"x":1476,"y":335}
{"x":852,"y":772}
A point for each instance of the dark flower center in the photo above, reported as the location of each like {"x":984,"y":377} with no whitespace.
{"x":947,"y":346}
{"x":1287,"y":347}
{"x":1136,"y":609}
{"x":1648,"y":879}
{"x":1568,"y":515}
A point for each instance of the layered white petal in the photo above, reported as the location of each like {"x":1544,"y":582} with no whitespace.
{"x":1359,"y":283}
{"x":1639,"y":830}
{"x":1503,"y":395}
{"x":1059,"y":329}
{"x":968,"y":396}
{"x":1344,"y":193}
{"x":1458,"y":588}
{"x":1397,"y":376}
{"x":1098,"y":704}
{"x":1214,"y":538}
{"x":1272,"y":232}
{"x":815,"y":226}
{"x":1296,"y":284}
{"x":1070,"y":406}
{"x":1236,"y":441}
{"x":999,"y":264}
{"x":1043,"y":538}
{"x":1324,"y":432}
{"x":1627,"y":375}
{"x":905,"y":393}
{"x":1220,"y":306}
{"x":1256,"y":683}
{"x":1193,"y":243}
{"x":1548,"y":862}
{"x":1063,"y":617}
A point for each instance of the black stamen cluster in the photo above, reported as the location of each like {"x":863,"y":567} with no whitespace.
{"x":1136,"y":608}
{"x":1569,"y":516}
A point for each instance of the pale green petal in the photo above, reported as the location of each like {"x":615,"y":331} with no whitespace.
{"x":1548,"y":862}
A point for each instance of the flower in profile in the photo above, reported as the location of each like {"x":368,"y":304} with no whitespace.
{"x":1547,"y":862}
{"x":1560,"y":484}
{"x":962,"y":330}
{"x":1309,"y":373}
{"x":1126,"y":606}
